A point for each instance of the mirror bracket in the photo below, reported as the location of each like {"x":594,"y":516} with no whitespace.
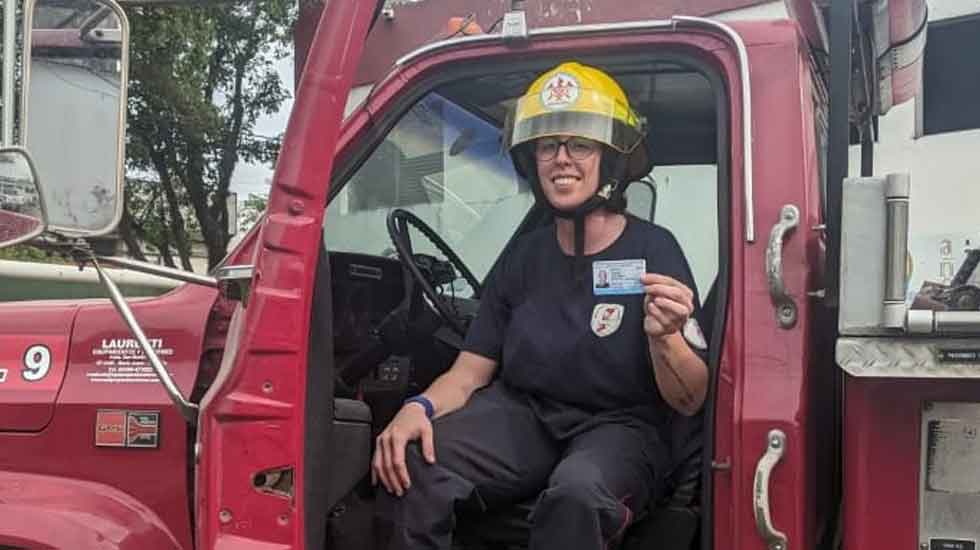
{"x":187,"y":409}
{"x":235,"y":282}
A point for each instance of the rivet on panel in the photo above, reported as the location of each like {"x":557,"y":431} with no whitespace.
{"x":224,"y":516}
{"x":296,"y":207}
{"x":283,"y":520}
{"x":267,"y":387}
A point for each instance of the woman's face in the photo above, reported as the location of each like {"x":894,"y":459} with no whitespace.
{"x":568,"y":169}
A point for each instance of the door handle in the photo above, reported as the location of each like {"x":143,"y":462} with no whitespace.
{"x":775,"y":447}
{"x":786,"y":312}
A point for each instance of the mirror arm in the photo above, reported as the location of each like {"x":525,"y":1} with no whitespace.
{"x":187,"y":409}
{"x":159,"y":270}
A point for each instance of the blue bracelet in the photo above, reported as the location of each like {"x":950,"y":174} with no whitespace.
{"x":430,"y":410}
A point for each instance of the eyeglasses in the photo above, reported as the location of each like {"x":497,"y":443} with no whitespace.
{"x":579,"y":148}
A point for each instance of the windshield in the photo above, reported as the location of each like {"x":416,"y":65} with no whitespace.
{"x":445,"y":165}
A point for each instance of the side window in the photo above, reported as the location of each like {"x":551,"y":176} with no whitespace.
{"x":445,"y":165}
{"x":686,"y":204}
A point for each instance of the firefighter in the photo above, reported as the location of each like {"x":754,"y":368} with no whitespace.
{"x":567,"y":379}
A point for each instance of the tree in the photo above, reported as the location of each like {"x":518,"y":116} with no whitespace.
{"x":200,"y":77}
{"x":146,"y":219}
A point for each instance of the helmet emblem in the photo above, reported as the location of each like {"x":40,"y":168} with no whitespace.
{"x":560,"y":91}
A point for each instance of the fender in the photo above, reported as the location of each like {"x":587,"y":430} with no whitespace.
{"x":40,"y":511}
{"x":29,"y":387}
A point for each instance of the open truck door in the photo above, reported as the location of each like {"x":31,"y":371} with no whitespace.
{"x":266,"y":421}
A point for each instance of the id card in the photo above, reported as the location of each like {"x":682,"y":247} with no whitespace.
{"x":618,"y":277}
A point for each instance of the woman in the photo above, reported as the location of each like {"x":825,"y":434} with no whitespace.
{"x":563,"y":385}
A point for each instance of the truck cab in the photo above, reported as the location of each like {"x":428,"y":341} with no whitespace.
{"x":356,"y":288}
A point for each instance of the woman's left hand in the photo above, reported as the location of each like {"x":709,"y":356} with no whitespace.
{"x":667,"y":305}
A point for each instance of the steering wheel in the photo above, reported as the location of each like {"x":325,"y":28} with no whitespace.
{"x":398,"y":222}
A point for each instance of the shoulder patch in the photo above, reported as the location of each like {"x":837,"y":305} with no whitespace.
{"x":692,"y":333}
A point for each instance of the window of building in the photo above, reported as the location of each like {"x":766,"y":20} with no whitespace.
{"x":951,"y":76}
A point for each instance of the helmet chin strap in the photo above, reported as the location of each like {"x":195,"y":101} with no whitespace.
{"x":578,"y":216}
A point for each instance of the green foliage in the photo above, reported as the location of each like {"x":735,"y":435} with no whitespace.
{"x":200,"y":78}
{"x":26,"y":253}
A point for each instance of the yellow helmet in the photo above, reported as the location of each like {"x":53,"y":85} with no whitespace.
{"x":578,"y":100}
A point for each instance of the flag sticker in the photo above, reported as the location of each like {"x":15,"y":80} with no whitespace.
{"x":143,"y":430}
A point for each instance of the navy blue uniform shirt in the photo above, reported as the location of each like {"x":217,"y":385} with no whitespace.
{"x":538,"y":323}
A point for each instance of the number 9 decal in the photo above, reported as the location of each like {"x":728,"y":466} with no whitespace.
{"x":37,"y":363}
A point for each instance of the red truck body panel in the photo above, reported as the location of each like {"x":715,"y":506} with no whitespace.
{"x":56,"y":485}
{"x":55,"y":512}
{"x":419,"y":23}
{"x":27,"y":404}
{"x":772,"y":372}
{"x":882,"y":446}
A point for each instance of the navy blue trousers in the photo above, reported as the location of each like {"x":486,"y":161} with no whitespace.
{"x":589,"y":474}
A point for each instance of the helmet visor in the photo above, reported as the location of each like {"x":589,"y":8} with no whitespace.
{"x":585,"y":113}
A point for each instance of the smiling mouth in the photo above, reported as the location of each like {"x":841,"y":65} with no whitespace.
{"x":564,"y":181}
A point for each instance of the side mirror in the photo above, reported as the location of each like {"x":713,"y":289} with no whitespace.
{"x":21,"y":205}
{"x":75,"y":110}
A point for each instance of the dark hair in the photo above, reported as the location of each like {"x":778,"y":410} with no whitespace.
{"x":612,"y":169}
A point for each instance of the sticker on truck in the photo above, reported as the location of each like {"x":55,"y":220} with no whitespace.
{"x":37,"y":363}
{"x":121,"y":428}
{"x":122,"y":361}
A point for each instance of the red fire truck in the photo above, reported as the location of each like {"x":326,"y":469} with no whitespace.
{"x":238,"y":410}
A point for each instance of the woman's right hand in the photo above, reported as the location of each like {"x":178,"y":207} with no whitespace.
{"x":388,"y":465}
